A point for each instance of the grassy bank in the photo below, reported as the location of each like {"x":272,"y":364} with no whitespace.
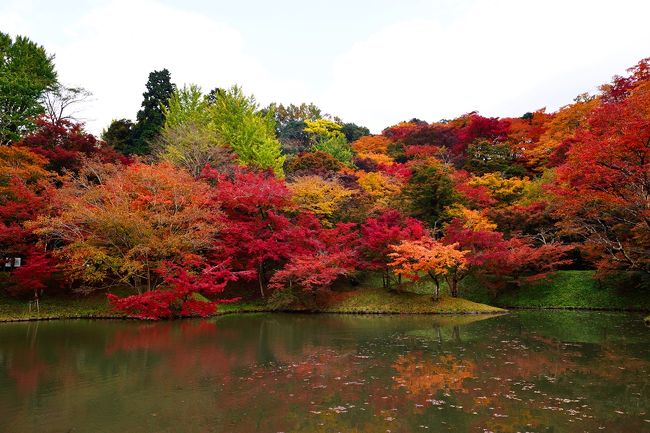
{"x":376,"y":301}
{"x":95,"y":306}
{"x":568,"y":289}
{"x":364,"y":300}
{"x":565,"y":289}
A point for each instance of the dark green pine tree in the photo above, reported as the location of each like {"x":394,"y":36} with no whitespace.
{"x":353,"y":132}
{"x":119,"y":135}
{"x":150,"y":118}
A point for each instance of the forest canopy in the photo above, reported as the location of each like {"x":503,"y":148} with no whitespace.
{"x":208,"y":192}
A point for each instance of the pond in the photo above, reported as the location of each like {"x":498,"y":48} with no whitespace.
{"x":522,"y":372}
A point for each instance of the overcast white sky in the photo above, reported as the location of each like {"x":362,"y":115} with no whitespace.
{"x":372,"y":62}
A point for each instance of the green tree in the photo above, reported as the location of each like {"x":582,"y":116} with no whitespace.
{"x":353,"y":132}
{"x":26,"y":72}
{"x":198,"y":128}
{"x":486,"y":157}
{"x":293,"y":137}
{"x":189,"y":138}
{"x":429,"y":190}
{"x":327,"y":137}
{"x":250,"y":133}
{"x":150,"y":118}
{"x":290,"y":125}
{"x":189,"y":106}
{"x":293,"y":113}
{"x":336,"y":146}
{"x":119,"y":135}
{"x":193,"y":147}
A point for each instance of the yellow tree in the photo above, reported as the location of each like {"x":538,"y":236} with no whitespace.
{"x":381,"y":188}
{"x":472,"y":219}
{"x":426,"y":255}
{"x":326,"y":136}
{"x":501,"y":188}
{"x":317,"y":195}
{"x":323,"y":128}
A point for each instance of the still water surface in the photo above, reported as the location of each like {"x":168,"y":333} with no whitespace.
{"x":522,"y":372}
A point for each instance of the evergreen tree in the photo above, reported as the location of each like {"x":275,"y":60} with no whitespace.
{"x":150,"y":118}
{"x":119,"y":135}
{"x":353,"y":132}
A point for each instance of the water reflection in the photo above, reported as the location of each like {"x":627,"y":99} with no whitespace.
{"x":529,"y":371}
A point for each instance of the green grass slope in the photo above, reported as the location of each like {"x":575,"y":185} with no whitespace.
{"x":569,"y":289}
{"x":368,"y":300}
{"x":373,"y":300}
{"x":95,"y":306}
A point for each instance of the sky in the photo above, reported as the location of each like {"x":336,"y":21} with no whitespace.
{"x":371,"y":62}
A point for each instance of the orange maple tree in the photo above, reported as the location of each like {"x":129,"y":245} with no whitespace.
{"x":426,"y":255}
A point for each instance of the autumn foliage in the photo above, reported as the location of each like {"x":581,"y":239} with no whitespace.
{"x":505,"y":200}
{"x":605,"y":180}
{"x":427,"y":256}
{"x":65,"y":144}
{"x":179,"y":297}
{"x":115,"y":226}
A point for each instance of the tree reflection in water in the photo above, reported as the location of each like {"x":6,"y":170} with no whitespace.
{"x":528,"y":371}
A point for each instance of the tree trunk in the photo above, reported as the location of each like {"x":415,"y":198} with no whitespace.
{"x":436,"y":281}
{"x":452,"y":282}
{"x":454,"y":287}
{"x":260,"y":278}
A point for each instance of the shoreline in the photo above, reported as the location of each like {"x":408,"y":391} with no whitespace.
{"x":364,"y":301}
{"x":559,"y":308}
{"x":496,"y":311}
{"x":564,"y":291}
{"x":230,"y":313}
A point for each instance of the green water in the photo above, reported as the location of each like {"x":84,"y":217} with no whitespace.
{"x":523,"y":372}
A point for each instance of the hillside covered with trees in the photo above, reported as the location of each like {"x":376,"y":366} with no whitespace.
{"x":208,"y":195}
